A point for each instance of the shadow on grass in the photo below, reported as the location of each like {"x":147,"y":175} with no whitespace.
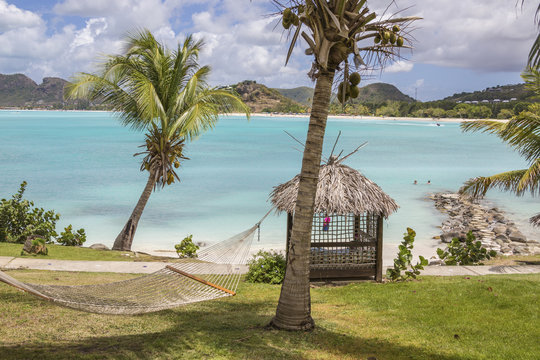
{"x":222,"y":329}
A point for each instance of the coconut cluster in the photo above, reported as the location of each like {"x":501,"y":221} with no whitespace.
{"x":290,"y":18}
{"x":386,"y":36}
{"x":349,"y":88}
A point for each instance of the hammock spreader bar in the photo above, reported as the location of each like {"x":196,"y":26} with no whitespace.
{"x":200,"y":280}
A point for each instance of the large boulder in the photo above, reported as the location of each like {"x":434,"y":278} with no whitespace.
{"x":99,"y":247}
{"x":517,"y":236}
{"x":499,"y":229}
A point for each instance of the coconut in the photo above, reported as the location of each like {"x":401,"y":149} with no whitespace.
{"x":377,"y":39}
{"x":286,"y":23}
{"x":287,"y":14}
{"x":296,"y":20}
{"x":395,"y":28}
{"x":393,"y":38}
{"x":399,"y":41}
{"x":354,"y":90}
{"x":386,"y":35}
{"x":354,"y":78}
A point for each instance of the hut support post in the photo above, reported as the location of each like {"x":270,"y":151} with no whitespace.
{"x":356,"y":228}
{"x":378,"y":275}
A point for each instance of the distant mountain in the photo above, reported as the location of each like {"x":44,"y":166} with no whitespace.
{"x":505,"y":92}
{"x":380,"y":92}
{"x":264,"y":99}
{"x":373,"y":93}
{"x":302,"y":94}
{"x":19,"y":90}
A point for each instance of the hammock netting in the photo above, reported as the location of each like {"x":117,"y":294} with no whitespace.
{"x":215,"y":273}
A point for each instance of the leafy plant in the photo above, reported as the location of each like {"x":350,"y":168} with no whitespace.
{"x":37,"y":247}
{"x":403,"y":260}
{"x":68,"y":238}
{"x":467,"y":253}
{"x":186,"y":248}
{"x":20,"y":219}
{"x":266,"y":267}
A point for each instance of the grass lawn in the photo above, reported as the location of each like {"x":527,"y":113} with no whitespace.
{"x":79,"y":253}
{"x":490,"y":317}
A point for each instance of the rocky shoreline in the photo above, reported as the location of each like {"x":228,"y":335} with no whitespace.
{"x":489,"y":225}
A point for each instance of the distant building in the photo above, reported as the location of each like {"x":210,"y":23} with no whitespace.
{"x":505,"y":101}
{"x":496,"y":100}
{"x":485,"y":101}
{"x":513,"y":99}
{"x":474,"y":102}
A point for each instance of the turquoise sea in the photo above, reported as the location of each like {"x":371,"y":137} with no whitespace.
{"x":81,"y":164}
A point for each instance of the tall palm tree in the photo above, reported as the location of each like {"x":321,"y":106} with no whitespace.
{"x":522,"y":133}
{"x":163,"y":93}
{"x":337,"y":31}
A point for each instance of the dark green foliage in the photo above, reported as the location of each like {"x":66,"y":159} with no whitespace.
{"x":186,"y":248}
{"x":468,"y":253}
{"x":68,"y":238}
{"x":403,"y":260}
{"x":266,"y":267}
{"x":20,"y":219}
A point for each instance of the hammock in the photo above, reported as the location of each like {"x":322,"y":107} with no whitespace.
{"x":215,"y":273}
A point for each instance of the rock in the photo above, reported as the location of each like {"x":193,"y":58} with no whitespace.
{"x":499,"y":229}
{"x":38,"y":248}
{"x":516,"y":236}
{"x":502,"y":237}
{"x":201,"y":244}
{"x":447,"y":237}
{"x":436,"y":262}
{"x":99,"y":247}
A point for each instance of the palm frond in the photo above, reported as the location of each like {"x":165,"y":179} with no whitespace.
{"x":507,"y":181}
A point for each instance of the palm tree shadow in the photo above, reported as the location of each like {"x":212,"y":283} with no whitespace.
{"x":233,"y":329}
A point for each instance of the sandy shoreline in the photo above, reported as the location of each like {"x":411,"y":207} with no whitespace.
{"x":366,"y":117}
{"x":277,"y":115}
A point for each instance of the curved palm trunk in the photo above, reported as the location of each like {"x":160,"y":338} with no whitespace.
{"x":294,"y":307}
{"x":125,"y":238}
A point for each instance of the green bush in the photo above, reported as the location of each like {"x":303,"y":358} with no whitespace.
{"x":68,"y":238}
{"x":266,"y":267}
{"x":467,"y":253}
{"x":403,"y":260}
{"x":186,"y":248}
{"x":20,"y":219}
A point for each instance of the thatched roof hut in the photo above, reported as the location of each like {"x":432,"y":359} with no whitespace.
{"x":341,"y":190}
{"x":346,"y":234}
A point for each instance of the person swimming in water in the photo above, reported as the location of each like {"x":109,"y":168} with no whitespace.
{"x":415,"y":182}
{"x":429,"y":182}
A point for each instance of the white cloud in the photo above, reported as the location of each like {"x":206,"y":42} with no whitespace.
{"x":94,"y":27}
{"x":484,"y":35}
{"x":12,"y":18}
{"x":400,"y":66}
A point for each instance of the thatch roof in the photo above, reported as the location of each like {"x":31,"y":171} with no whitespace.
{"x":535,"y":220}
{"x":341,"y":190}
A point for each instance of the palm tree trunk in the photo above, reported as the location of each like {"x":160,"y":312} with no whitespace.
{"x":294,"y":307}
{"x":125,"y":237}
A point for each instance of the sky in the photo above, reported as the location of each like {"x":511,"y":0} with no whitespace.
{"x":459,"y":45}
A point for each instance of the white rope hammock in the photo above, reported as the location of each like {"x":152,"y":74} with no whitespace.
{"x":215,"y":273}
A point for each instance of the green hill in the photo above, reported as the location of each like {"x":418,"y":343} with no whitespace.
{"x":302,"y":94}
{"x":505,"y":92}
{"x":380,"y":92}
{"x":264,"y":99}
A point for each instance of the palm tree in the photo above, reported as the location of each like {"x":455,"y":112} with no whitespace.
{"x":338,"y":30}
{"x":534,"y":53}
{"x":163,"y":93}
{"x":522,"y":133}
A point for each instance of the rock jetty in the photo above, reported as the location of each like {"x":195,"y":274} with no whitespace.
{"x":489,"y":225}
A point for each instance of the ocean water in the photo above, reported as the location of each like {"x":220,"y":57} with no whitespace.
{"x":81,"y":164}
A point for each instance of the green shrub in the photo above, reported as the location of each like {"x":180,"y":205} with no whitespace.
{"x":68,"y":238}
{"x":467,"y":253}
{"x":403,"y":260}
{"x":186,"y":248}
{"x":266,"y":267}
{"x":20,"y":219}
